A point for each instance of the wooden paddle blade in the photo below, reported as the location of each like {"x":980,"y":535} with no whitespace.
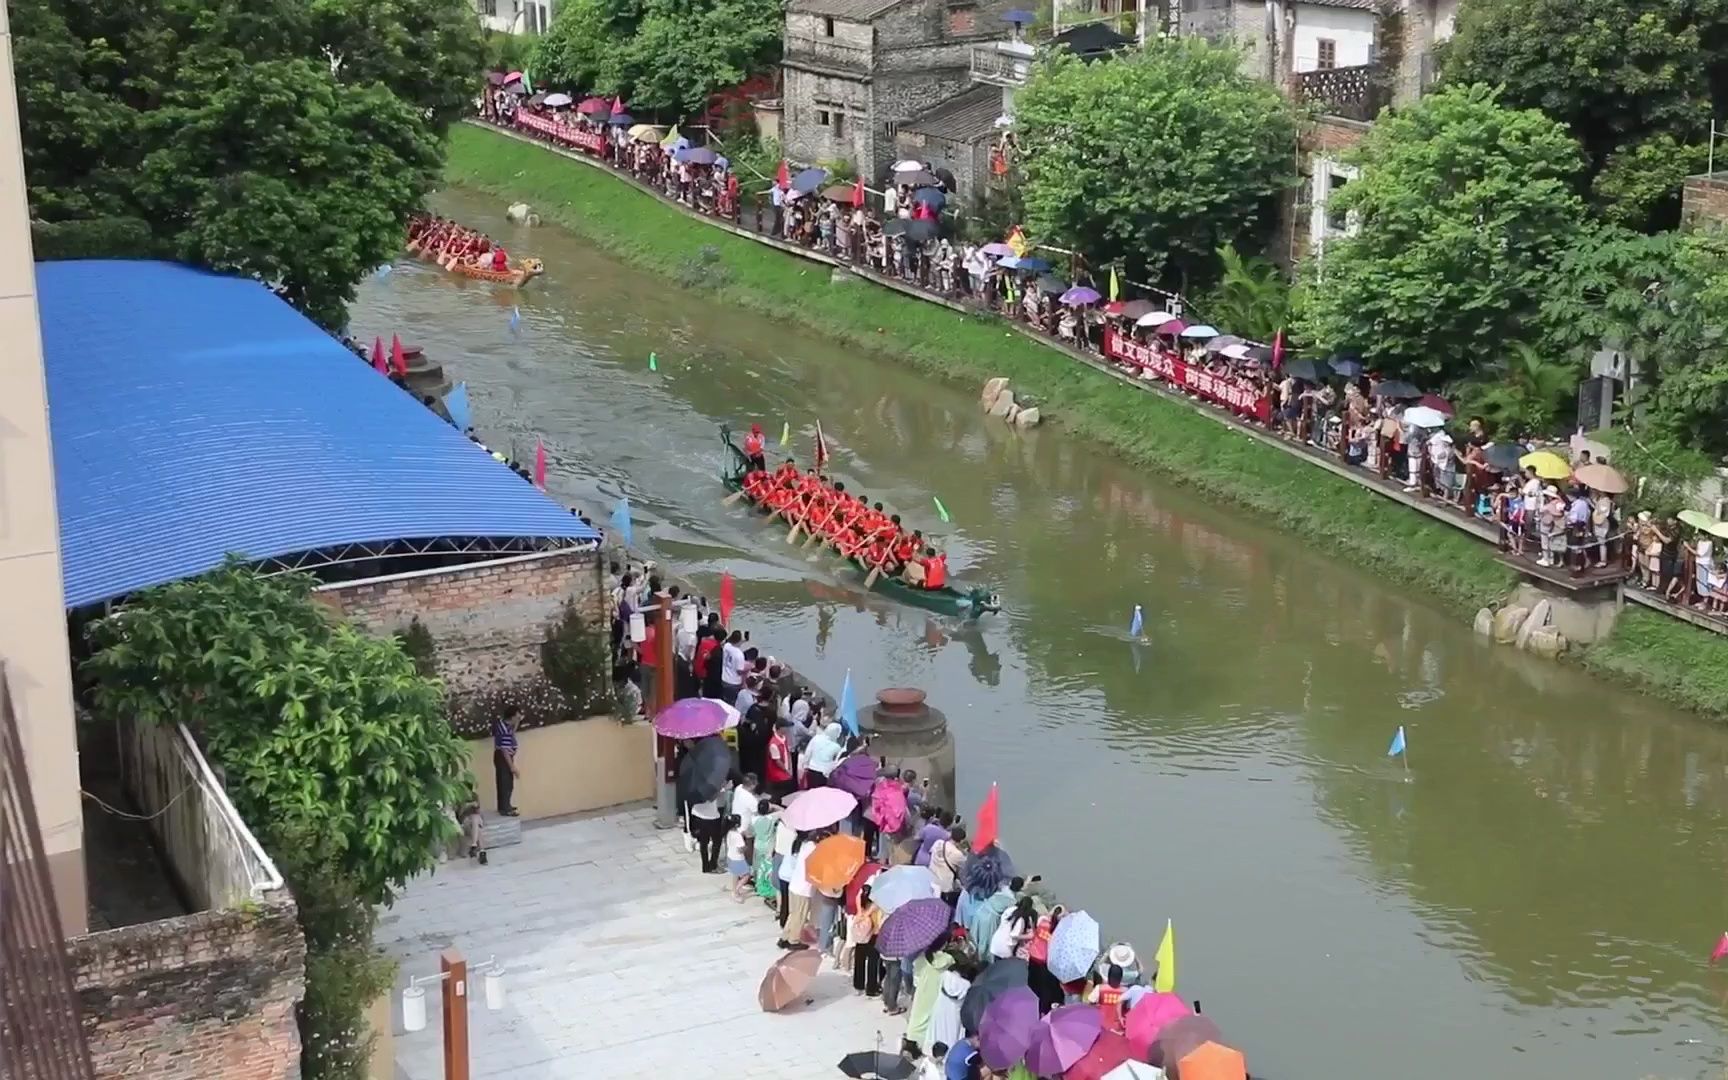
{"x":792,"y":537}
{"x":732,"y":498}
{"x":870,"y":578}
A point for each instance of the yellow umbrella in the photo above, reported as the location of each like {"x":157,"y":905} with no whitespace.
{"x":1697,"y":519}
{"x":645,"y":133}
{"x":1718,"y":528}
{"x":1548,"y":465}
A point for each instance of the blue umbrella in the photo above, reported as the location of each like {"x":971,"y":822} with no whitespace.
{"x":913,"y":927}
{"x":1200,"y":332}
{"x":900,"y":885}
{"x":621,"y":119}
{"x":696,"y":155}
{"x":1073,"y":947}
{"x":931,"y":196}
{"x":1019,"y":17}
{"x":809,"y":180}
{"x":1348,"y":365}
{"x":1028,"y":263}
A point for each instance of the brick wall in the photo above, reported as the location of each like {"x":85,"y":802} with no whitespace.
{"x":487,"y":620}
{"x":199,"y":997}
{"x":1704,"y":201}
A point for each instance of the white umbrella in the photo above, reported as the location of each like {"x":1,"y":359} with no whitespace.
{"x":1135,"y":1070}
{"x":1423,"y":416}
{"x":908,"y":166}
{"x":557,"y":100}
{"x":1156,"y":318}
{"x":1235,"y":352}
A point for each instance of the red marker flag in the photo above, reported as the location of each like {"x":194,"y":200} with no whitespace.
{"x":726,"y":599}
{"x":398,"y":358}
{"x":617,"y":104}
{"x":783,"y":176}
{"x":858,"y":195}
{"x":1278,"y":350}
{"x":539,"y":464}
{"x":378,"y":356}
{"x":984,"y":827}
{"x":821,"y":448}
{"x":1720,"y":950}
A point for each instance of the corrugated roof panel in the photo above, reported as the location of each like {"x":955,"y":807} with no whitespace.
{"x":194,"y":415}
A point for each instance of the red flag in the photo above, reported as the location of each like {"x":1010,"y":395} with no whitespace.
{"x":821,"y":448}
{"x":984,"y":830}
{"x":858,"y":195}
{"x":726,"y":599}
{"x":398,"y":359}
{"x":378,"y":356}
{"x":782,"y":176}
{"x":1720,"y":950}
{"x":539,"y":464}
{"x":1278,"y":349}
{"x":617,"y":104}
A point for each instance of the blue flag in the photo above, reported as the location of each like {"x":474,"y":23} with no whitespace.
{"x":515,"y":319}
{"x":621,"y":522}
{"x":1397,"y":746}
{"x":456,"y":404}
{"x":1136,"y":624}
{"x":848,"y":707}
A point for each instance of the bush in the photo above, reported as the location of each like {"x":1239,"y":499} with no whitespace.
{"x":537,"y":701}
{"x":576,"y":659}
{"x":417,"y":642}
{"x":95,"y":238}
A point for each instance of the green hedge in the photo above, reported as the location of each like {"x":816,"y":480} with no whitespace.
{"x":97,"y":238}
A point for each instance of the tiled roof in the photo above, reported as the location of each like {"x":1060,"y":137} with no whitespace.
{"x":961,"y":118}
{"x":850,"y":10}
{"x":1357,"y":5}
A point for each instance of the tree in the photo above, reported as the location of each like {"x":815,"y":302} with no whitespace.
{"x":1153,"y":159}
{"x":276,"y":138}
{"x":1632,"y":79}
{"x":1252,"y":299}
{"x":1461,"y":211}
{"x":321,"y":730}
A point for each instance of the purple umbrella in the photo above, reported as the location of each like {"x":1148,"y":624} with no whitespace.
{"x":1080,"y":296}
{"x":1009,"y":1024}
{"x":996,"y":250}
{"x":856,"y":775}
{"x":691,"y":718}
{"x":915,"y":926}
{"x":1063,"y":1038}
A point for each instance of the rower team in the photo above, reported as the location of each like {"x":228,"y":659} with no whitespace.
{"x":445,"y":241}
{"x":856,"y":528}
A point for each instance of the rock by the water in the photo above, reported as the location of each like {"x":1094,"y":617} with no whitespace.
{"x":1538,"y":619}
{"x":520,"y":213}
{"x":992,"y":388}
{"x":1027,"y":417}
{"x":1484,"y":625}
{"x":1546,"y":642}
{"x":1003,"y":404}
{"x":1507,"y":621}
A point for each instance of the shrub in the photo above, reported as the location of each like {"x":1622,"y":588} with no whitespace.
{"x":576,"y":661}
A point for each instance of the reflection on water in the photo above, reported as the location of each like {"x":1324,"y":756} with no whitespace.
{"x":1535,"y":898}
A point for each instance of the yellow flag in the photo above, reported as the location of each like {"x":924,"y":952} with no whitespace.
{"x":785,"y":433}
{"x":1115,"y":286}
{"x":1165,"y":981}
{"x":671,"y":138}
{"x":1017,"y":241}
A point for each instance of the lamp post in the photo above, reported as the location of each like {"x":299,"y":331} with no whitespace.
{"x":453,"y":979}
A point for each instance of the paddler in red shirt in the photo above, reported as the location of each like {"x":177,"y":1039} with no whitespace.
{"x":500,"y":260}
{"x":935,"y":569}
{"x":906,"y":547}
{"x":851,"y":543}
{"x":753,"y":448}
{"x":786,"y":472}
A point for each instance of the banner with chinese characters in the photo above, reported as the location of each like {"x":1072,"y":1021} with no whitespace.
{"x":1234,"y":394}
{"x":582,"y":138}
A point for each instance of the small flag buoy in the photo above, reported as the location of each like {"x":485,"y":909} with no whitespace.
{"x":653,"y":362}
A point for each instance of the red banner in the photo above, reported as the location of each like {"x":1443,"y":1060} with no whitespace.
{"x":1233,"y":394}
{"x":582,"y":138}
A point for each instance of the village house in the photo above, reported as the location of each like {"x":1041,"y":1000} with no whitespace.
{"x":515,"y":16}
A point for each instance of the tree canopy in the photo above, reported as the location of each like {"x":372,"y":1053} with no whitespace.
{"x":1634,"y":81}
{"x":1154,"y":159}
{"x":1461,"y":213}
{"x":659,"y":54}
{"x":278,"y":138}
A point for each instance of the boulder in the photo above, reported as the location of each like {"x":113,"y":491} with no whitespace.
{"x":1003,"y":403}
{"x":519,"y":213}
{"x":992,"y":387}
{"x":1027,"y":417}
{"x":1012,"y":414}
{"x":1546,"y":642}
{"x":1484,"y":624}
{"x":1538,"y":619}
{"x":1507,"y":621}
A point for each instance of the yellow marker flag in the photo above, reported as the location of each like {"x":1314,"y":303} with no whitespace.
{"x":1017,"y":241}
{"x":785,"y":433}
{"x":1165,"y":980}
{"x":1115,"y":286}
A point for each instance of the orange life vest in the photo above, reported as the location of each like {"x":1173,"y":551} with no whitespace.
{"x":753,"y":444}
{"x":936,"y":572}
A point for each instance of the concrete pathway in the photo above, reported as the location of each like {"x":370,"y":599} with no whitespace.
{"x":620,"y":960}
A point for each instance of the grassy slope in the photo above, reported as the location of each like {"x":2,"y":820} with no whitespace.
{"x":1345,"y":519}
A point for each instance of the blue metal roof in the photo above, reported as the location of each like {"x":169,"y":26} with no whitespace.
{"x":194,"y":415}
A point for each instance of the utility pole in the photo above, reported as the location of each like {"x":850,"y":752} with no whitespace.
{"x":454,"y":970}
{"x":665,"y":692}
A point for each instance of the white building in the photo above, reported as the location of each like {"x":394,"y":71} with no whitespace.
{"x":1284,"y":37}
{"x":515,"y":16}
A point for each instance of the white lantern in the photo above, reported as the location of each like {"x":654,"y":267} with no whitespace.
{"x":414,"y":1009}
{"x":638,"y":628}
{"x":494,"y":990}
{"x":687,"y":618}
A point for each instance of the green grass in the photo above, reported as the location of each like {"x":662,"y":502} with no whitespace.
{"x":1663,"y":656}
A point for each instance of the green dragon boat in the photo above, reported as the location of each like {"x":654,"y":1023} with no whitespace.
{"x":958,"y":600}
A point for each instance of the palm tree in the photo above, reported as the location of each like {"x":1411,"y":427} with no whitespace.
{"x":1252,"y":299}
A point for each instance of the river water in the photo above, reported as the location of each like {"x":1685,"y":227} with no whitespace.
{"x":1536,"y":896}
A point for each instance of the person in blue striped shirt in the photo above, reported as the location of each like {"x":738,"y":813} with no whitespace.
{"x":504,"y":767}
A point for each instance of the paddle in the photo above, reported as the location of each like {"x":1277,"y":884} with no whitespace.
{"x":734,"y":497}
{"x":792,"y":536}
{"x":870,"y":578}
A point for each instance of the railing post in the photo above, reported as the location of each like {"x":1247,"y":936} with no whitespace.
{"x":455,"y":1002}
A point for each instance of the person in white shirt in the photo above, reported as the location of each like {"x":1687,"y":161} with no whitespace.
{"x":732,"y":667}
{"x":795,"y":882}
{"x":744,"y":799}
{"x":737,"y":863}
{"x":705,"y":828}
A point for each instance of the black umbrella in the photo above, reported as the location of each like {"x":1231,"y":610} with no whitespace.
{"x":997,"y":979}
{"x":875,"y":1065}
{"x":1262,"y":353}
{"x":703,"y":770}
{"x":1393,"y":388}
{"x":1302,"y":368}
{"x":1348,"y":365}
{"x":1502,"y":457}
{"x":538,"y":99}
{"x":947,"y":179}
{"x":915,"y":230}
{"x":621,"y":119}
{"x":495,"y":78}
{"x":1052,"y":284}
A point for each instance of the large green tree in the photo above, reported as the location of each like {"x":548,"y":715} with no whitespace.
{"x":1462,"y":210}
{"x":1154,"y":159}
{"x":285,"y":139}
{"x":1634,"y":81}
{"x":668,"y":55}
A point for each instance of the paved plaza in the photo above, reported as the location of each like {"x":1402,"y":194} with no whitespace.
{"x":620,"y":960}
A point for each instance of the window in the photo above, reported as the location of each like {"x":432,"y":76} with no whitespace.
{"x":489,"y":7}
{"x":824,"y":117}
{"x":1328,"y":54}
{"x":1336,"y":219}
{"x":827,"y":27}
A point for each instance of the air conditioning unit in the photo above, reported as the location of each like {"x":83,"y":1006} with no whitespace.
{"x":1613,"y":364}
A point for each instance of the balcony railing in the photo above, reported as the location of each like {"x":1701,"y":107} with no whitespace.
{"x":1000,"y":64}
{"x":1354,"y":93}
{"x":828,"y":53}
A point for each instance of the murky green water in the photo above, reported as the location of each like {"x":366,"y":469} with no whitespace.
{"x":1537,"y":897}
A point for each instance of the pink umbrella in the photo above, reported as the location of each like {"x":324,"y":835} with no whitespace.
{"x":595,"y":106}
{"x":692,"y":718}
{"x":1174,"y":326}
{"x":1063,"y":1039}
{"x":1149,"y":1016}
{"x":818,"y":808}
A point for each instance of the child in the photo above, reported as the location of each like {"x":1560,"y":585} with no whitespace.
{"x":736,"y":864}
{"x":473,"y":824}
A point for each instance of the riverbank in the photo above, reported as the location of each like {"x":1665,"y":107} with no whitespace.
{"x":1178,"y":442}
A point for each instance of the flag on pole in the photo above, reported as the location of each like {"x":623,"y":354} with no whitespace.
{"x":1720,"y":950}
{"x":984,"y":827}
{"x":1137,"y":623}
{"x":398,"y":358}
{"x":621,"y":521}
{"x":528,"y":82}
{"x":848,"y":708}
{"x":1397,"y":746}
{"x":671,"y":139}
{"x":858,"y":195}
{"x":456,"y":404}
{"x":1278,"y":349}
{"x":378,"y":364}
{"x":653,"y":361}
{"x":821,"y":448}
{"x":726,"y":599}
{"x":617,"y":103}
{"x":785,"y":434}
{"x":783,"y":176}
{"x":539,"y":464}
{"x":1115,"y":286}
{"x":515,"y":319}
{"x":941,"y":511}
{"x":1165,"y":980}
{"x":1017,"y":241}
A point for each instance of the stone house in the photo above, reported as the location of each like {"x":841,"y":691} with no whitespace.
{"x":855,"y":71}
